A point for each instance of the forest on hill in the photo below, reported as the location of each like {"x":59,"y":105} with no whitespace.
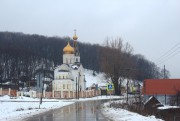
{"x":21,"y":55}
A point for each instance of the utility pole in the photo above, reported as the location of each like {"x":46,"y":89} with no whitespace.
{"x":164,"y":72}
{"x":76,"y":87}
{"x":42,"y":88}
{"x":78,"y":83}
{"x":127,"y":91}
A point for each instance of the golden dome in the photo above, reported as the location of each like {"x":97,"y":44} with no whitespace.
{"x":75,"y":37}
{"x":68,"y":49}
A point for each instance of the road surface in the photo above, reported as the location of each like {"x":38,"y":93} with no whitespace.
{"x":79,"y":111}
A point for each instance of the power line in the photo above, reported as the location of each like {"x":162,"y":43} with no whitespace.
{"x":168,"y":53}
{"x":168,"y":58}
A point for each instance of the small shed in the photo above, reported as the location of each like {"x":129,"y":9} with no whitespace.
{"x":152,"y":104}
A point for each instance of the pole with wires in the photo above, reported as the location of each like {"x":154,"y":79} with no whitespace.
{"x":164,"y":72}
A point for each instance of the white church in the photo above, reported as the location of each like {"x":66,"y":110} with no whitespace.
{"x":69,"y":77}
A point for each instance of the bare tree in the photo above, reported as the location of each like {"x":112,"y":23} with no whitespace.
{"x":115,"y":61}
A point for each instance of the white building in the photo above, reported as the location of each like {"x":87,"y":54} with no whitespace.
{"x":69,"y":76}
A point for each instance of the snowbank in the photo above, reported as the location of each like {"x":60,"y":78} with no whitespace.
{"x":118,"y":114}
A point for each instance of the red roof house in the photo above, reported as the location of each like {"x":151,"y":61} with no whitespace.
{"x":161,"y":86}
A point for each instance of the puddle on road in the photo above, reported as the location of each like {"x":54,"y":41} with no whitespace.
{"x":79,"y":111}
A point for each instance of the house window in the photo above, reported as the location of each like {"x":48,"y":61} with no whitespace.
{"x":63,"y":86}
{"x":67,"y":86}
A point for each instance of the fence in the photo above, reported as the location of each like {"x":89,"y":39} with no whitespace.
{"x":10,"y":92}
{"x":53,"y":94}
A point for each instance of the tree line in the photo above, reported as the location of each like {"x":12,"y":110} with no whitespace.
{"x":22,"y":54}
{"x":119,"y":63}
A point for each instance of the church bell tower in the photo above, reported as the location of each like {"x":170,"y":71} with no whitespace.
{"x":76,"y":49}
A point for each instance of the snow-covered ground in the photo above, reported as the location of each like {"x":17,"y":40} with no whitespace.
{"x":118,"y":114}
{"x":20,"y":109}
{"x":23,"y":107}
{"x":90,"y":79}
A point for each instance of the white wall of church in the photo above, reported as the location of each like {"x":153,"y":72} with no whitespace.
{"x":63,"y":85}
{"x":77,"y":59}
{"x":62,"y":75}
{"x":79,"y":76}
{"x":66,"y":77}
{"x":68,"y":58}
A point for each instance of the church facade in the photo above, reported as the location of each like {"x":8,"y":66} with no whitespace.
{"x":69,"y":76}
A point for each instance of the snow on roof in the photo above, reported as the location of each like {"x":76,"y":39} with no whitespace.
{"x":167,"y":107}
{"x":6,"y":83}
{"x":148,"y":100}
{"x":75,"y":66}
{"x":102,"y":84}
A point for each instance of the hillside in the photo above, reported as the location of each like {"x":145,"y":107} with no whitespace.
{"x":91,"y":79}
{"x":23,"y":46}
{"x":22,"y":55}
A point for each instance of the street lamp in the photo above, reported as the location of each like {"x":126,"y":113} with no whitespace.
{"x":43,"y":68}
{"x":76,"y":87}
{"x":84,"y":82}
{"x":78,"y":82}
{"x":127,"y":90}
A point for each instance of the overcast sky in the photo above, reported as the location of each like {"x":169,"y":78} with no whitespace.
{"x":152,"y":27}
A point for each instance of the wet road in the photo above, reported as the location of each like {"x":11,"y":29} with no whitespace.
{"x":79,"y":111}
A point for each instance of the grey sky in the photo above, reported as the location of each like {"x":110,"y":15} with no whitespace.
{"x":152,"y":27}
